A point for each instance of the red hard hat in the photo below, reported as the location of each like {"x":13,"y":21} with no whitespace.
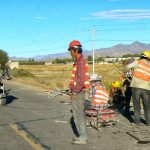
{"x":75,"y":43}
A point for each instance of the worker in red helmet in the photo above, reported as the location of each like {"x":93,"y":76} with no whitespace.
{"x":75,"y":45}
{"x":78,"y":82}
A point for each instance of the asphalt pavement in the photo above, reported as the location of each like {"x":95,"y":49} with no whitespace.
{"x":42,"y":121}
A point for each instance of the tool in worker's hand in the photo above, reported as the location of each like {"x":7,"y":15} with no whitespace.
{"x":121,"y":74}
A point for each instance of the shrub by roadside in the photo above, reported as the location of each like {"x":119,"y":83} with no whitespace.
{"x":21,"y":73}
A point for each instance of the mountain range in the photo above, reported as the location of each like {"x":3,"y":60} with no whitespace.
{"x":115,"y":51}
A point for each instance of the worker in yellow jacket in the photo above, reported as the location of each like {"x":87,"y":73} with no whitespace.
{"x":140,"y":85}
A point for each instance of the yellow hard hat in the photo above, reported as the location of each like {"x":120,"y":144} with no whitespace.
{"x":116,"y":84}
{"x":146,"y":53}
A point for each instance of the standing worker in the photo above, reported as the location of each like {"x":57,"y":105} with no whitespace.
{"x":141,"y":86}
{"x":128,"y":90}
{"x":79,"y":81}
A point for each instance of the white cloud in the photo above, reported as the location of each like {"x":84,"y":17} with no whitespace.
{"x":121,"y":14}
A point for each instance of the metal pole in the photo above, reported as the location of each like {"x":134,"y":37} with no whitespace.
{"x":93,"y":44}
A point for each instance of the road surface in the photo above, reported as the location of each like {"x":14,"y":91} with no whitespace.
{"x":31,"y":120}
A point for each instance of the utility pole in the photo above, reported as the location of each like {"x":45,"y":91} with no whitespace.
{"x":93,"y":46}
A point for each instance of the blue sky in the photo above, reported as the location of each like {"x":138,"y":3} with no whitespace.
{"x":41,"y":27}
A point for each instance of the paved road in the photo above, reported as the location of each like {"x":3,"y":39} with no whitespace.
{"x":46,"y":121}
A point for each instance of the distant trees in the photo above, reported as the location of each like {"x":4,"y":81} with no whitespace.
{"x":108,"y":56}
{"x":89,"y":58}
{"x":100,"y":59}
{"x":130,"y":55}
{"x":62,"y":61}
{"x":3,"y":57}
{"x":34,"y":62}
{"x":59,"y":61}
{"x":67,"y":60}
{"x":31,"y":62}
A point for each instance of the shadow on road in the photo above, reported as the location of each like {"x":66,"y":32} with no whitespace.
{"x":130,"y":116}
{"x":73,"y":126}
{"x":10,"y":99}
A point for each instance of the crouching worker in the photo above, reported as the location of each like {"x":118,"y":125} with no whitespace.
{"x":98,"y":93}
{"x":117,"y":95}
{"x":99,"y":113}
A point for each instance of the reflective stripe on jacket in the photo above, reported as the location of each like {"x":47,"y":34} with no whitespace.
{"x":142,"y":71}
{"x":101,"y":96}
{"x":73,"y":76}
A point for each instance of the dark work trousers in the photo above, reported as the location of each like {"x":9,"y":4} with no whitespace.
{"x":128,"y":94}
{"x":138,"y":93}
{"x":79,"y":115}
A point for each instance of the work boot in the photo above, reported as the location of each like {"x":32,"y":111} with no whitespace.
{"x":148,"y":124}
{"x":138,"y":125}
{"x":75,"y":139}
{"x":79,"y":142}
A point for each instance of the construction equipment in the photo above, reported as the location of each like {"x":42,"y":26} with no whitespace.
{"x":98,"y":118}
